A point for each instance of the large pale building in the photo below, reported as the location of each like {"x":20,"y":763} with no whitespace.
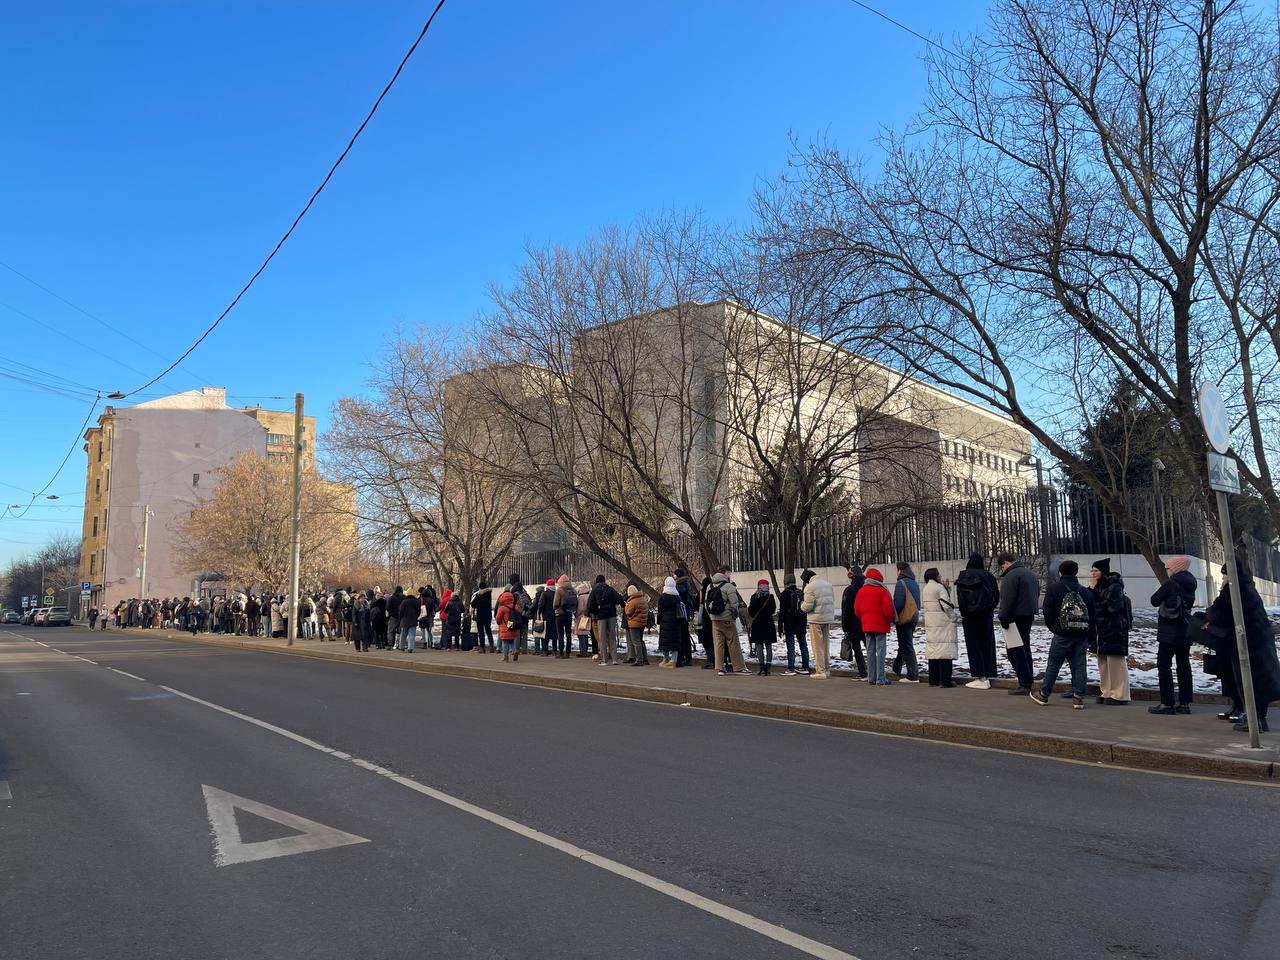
{"x":158,"y":458}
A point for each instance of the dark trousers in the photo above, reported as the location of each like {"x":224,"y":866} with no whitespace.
{"x":484,"y":634}
{"x":684,"y":656}
{"x":980,"y":645}
{"x":1020,"y":657}
{"x":562,"y":643}
{"x":940,"y":673}
{"x":1166,"y":656}
{"x":707,"y":639}
{"x":851,"y":649}
{"x":906,"y":650}
{"x":793,"y":635}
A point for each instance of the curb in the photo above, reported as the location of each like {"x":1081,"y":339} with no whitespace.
{"x":938,"y":731}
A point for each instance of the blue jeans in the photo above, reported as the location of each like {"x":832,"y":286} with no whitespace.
{"x":792,"y":637}
{"x":408,"y":634}
{"x":877,"y":644}
{"x":1072,"y":650}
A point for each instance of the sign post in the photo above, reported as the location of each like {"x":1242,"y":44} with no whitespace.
{"x":1224,"y":479}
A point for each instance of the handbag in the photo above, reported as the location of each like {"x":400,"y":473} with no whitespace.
{"x":538,"y":627}
{"x":1215,"y":663}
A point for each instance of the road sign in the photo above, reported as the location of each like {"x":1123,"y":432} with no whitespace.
{"x":46,"y":602}
{"x":1224,"y":475}
{"x":48,"y":591}
{"x":26,"y":602}
{"x":1213,"y":416}
{"x":86,"y":588}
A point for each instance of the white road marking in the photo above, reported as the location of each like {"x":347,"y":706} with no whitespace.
{"x":24,"y":693}
{"x":131,"y":676}
{"x":228,"y":848}
{"x":5,"y":792}
{"x":774,"y":932}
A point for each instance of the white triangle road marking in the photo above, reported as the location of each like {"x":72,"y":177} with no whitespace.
{"x":228,"y":848}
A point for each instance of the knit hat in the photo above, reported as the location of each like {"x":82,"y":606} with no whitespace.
{"x":1103,"y":566}
{"x":1177,"y":564}
{"x":874,"y":574}
{"x":599,"y":578}
{"x":806,"y":575}
{"x":762,"y":583}
{"x":632,"y":590}
{"x":551,"y":583}
{"x":681,"y":572}
{"x":789,"y":580}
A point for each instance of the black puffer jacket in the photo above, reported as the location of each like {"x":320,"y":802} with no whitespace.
{"x":1113,"y":615}
{"x":1175,"y":632}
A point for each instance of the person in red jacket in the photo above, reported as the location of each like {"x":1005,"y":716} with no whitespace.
{"x":873,"y":606}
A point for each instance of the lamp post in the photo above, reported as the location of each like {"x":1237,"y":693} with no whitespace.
{"x":1042,"y":506}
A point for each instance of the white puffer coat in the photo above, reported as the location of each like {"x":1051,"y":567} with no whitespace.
{"x":940,"y":641}
{"x":819,"y":603}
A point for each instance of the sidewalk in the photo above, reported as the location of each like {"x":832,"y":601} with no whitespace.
{"x":1127,"y":736}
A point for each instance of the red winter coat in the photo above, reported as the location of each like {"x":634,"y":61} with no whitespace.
{"x":873,"y":606}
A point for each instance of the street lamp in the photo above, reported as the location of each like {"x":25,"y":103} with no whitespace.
{"x":1029,"y":460}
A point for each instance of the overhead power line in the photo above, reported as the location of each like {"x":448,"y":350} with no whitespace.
{"x":74,"y":443}
{"x":298,"y":219}
{"x":902,"y":26}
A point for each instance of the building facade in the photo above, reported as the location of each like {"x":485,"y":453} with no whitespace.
{"x":154,"y":462}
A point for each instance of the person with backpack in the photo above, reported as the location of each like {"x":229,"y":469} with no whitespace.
{"x":874,"y":607}
{"x":393,"y":615}
{"x":481,"y":606}
{"x":706,"y":636}
{"x":636,"y":612}
{"x":603,"y":604}
{"x":521,"y":611}
{"x":722,"y":605}
{"x":1068,"y":613}
{"x":688,"y":597}
{"x":564,"y":604}
{"x":976,"y":592}
{"x":851,"y":628}
{"x":791,"y":624}
{"x":906,"y":601}
{"x":1113,"y":615}
{"x":1019,"y":602}
{"x":1173,"y":603}
{"x":940,"y":642}
{"x":764,"y":632}
{"x":819,"y":606}
{"x":543,"y":618}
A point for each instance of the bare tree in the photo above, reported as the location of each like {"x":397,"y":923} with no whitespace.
{"x":422,"y":466}
{"x":1054,"y":211}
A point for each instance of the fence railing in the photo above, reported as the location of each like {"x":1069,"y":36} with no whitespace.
{"x":1037,"y":524}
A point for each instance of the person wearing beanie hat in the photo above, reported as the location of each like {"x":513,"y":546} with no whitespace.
{"x":1113,"y":614}
{"x":684,"y":628}
{"x":851,"y":640}
{"x":636,"y":613}
{"x":1019,"y":604}
{"x":762,"y":608}
{"x":481,"y":604}
{"x":602,"y":605}
{"x":1173,"y":602}
{"x":724,"y":607}
{"x":1068,"y":613}
{"x":977,"y":593}
{"x":791,"y":624}
{"x":673,"y":620}
{"x":819,"y":607}
{"x":874,"y":608}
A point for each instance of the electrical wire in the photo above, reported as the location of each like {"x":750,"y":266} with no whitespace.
{"x":8,"y":511}
{"x":902,"y":26}
{"x":298,"y":219}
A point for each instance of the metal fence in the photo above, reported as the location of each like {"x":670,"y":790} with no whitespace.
{"x":1037,"y":524}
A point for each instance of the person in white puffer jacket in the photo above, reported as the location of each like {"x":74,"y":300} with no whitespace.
{"x":819,"y":607}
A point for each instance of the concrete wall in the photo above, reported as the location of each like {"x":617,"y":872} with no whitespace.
{"x":154,"y":454}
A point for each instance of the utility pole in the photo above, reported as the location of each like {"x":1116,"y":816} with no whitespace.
{"x":142,"y":570}
{"x":296,"y":556}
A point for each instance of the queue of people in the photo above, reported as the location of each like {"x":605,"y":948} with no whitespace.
{"x":1084,"y":619}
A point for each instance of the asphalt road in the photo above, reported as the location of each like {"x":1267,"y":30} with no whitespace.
{"x":461,"y":818}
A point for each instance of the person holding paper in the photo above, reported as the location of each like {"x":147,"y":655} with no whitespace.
{"x":1019,"y":601}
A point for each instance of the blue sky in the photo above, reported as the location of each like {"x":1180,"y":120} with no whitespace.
{"x":155,"y":151}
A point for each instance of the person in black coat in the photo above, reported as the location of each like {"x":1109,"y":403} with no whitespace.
{"x":1173,"y":603}
{"x":378,"y":622}
{"x":851,"y":643}
{"x":792,"y":624}
{"x":761,"y":609}
{"x":1263,"y":661}
{"x":1112,"y":618}
{"x":688,"y":596}
{"x":704,"y":628}
{"x":673,"y":624}
{"x":976,"y":593}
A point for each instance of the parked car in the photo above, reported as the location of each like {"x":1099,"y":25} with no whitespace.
{"x":57,"y":617}
{"x":12,"y":616}
{"x":28,"y":617}
{"x":38,"y":619}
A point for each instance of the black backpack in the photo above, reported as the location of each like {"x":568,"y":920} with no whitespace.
{"x":973,"y":593}
{"x":519,"y":615}
{"x":716,"y":604}
{"x":1073,"y":615}
{"x":1175,"y":609}
{"x":570,"y":602}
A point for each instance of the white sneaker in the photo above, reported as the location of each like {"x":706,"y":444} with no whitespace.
{"x":788,"y":673}
{"x":979,"y":684}
{"x":907,"y":680}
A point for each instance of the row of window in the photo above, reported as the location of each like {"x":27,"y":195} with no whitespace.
{"x":992,"y":461}
{"x":278,"y":438}
{"x":97,"y":484}
{"x":972,"y":488}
